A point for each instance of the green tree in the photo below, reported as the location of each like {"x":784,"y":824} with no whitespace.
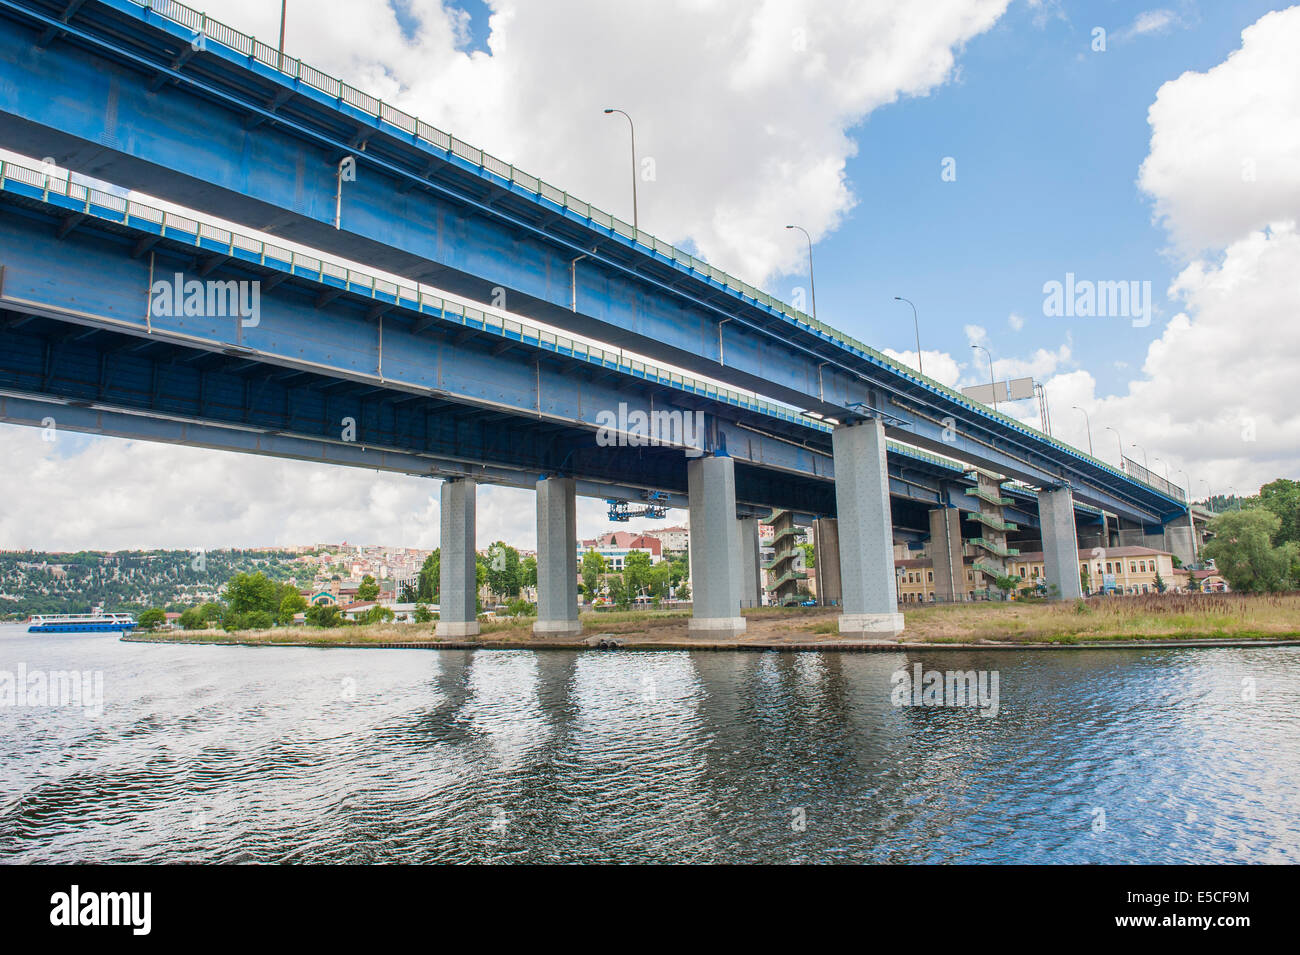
{"x":211,"y":613}
{"x":530,"y":571}
{"x":378,"y":614}
{"x":1008,"y":583}
{"x":504,"y":570}
{"x":1161,"y":586}
{"x":593,"y":568}
{"x":408,"y":594}
{"x":152,"y":618}
{"x":618,"y":591}
{"x":291,"y":603}
{"x":249,"y":592}
{"x":521,"y":608}
{"x":423,"y":614}
{"x":323,"y":615}
{"x":1282,"y":499}
{"x":636,"y":572}
{"x":1244,"y":553}
{"x":192,"y":619}
{"x":369,"y":590}
{"x":427,"y":589}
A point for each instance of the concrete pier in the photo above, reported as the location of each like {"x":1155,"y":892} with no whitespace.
{"x":1060,"y":542}
{"x":751,"y":570}
{"x":715,"y":562}
{"x":826,"y":566}
{"x":946,"y":554}
{"x":557,"y":563}
{"x":458,"y":573}
{"x":866,"y":532}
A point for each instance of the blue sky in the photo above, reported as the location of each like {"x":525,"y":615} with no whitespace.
{"x":1048,"y":137}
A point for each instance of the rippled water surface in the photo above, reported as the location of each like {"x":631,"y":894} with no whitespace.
{"x":296,"y":755}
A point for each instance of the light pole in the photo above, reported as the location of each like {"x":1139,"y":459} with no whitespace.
{"x":812,"y":284}
{"x":1191,"y":520}
{"x":1166,"y":467}
{"x":279,"y":62}
{"x":1145,"y":463}
{"x":1119,"y":443}
{"x":992,"y":384}
{"x":917,"y":323}
{"x":632,"y":128}
{"x":1088,"y":423}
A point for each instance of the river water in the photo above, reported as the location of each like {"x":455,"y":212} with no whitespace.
{"x":232,"y":754}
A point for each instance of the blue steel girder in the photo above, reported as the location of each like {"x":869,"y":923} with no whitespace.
{"x":207,"y":136}
{"x":305,"y":367}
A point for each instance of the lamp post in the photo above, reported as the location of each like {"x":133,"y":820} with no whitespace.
{"x":1145,"y":463}
{"x":1191,"y":520}
{"x":915,"y":322}
{"x":812,"y":284}
{"x":992,"y":384}
{"x":632,"y":128}
{"x":1119,"y":444}
{"x":279,"y":61}
{"x":1087,"y":423}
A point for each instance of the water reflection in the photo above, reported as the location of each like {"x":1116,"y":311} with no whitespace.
{"x":281,"y":754}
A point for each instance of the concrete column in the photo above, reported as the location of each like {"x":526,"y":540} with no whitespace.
{"x":751,"y":568}
{"x":1060,"y":542}
{"x":557,"y":558}
{"x":1178,"y":540}
{"x":715,"y":563}
{"x":826,"y":552}
{"x":866,"y":532}
{"x":458,"y":575}
{"x":946,"y":555}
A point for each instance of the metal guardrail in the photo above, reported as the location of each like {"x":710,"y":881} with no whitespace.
{"x":490,"y":165}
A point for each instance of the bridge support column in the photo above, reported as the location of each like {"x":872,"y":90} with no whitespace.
{"x":1060,"y":542}
{"x":751,"y":568}
{"x":715,"y":563}
{"x":457,"y":573}
{"x":946,"y":555}
{"x":866,"y":532}
{"x":557,"y":558}
{"x":826,"y":566}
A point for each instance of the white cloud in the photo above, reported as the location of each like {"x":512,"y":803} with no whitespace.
{"x":745,"y":108}
{"x":1015,"y":321}
{"x":113,"y":494}
{"x":1150,"y":22}
{"x":1225,"y":144}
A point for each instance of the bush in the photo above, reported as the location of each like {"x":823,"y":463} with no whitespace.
{"x":151,"y":619}
{"x":323,"y":615}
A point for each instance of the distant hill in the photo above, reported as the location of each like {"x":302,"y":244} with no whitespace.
{"x":39,"y":582}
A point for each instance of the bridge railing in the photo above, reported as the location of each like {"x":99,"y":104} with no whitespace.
{"x":96,"y":202}
{"x":489,"y":165}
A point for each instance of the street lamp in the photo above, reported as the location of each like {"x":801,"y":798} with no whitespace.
{"x":1119,"y":444}
{"x":1191,"y":520}
{"x":812,"y":285}
{"x":1145,"y":463}
{"x":916,"y":322}
{"x":992,"y":384}
{"x":1088,"y":423}
{"x":632,"y":128}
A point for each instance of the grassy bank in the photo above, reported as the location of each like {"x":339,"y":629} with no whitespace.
{"x":1150,"y":617}
{"x":1100,"y":620}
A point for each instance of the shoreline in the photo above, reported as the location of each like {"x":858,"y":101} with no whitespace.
{"x":1163,"y":622}
{"x":607,"y":642}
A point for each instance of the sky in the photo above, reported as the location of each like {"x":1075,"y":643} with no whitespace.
{"x":963,"y":154}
